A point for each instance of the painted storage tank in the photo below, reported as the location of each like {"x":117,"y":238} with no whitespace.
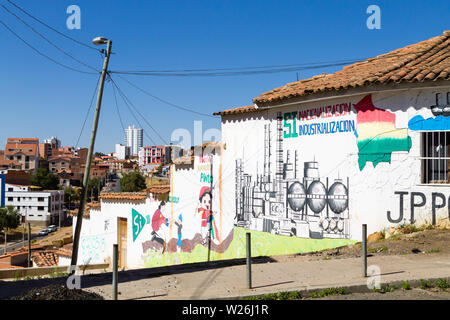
{"x":296,"y":196}
{"x":338,"y":197}
{"x":317,"y":196}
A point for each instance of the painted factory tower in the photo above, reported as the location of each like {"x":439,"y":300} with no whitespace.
{"x":285,"y":204}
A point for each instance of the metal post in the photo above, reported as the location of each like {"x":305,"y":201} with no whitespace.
{"x":29,"y":245}
{"x":364,"y":249}
{"x":4,"y":231}
{"x":115,"y":277}
{"x":77,"y":232}
{"x":249,"y":261}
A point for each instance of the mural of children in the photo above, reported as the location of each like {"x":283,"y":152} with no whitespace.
{"x":158,"y":220}
{"x":204,"y":208}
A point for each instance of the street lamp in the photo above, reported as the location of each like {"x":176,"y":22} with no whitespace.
{"x":87,"y":169}
{"x":100,"y":40}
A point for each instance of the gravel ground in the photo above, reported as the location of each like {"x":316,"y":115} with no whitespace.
{"x":57,"y":292}
{"x":432,"y":241}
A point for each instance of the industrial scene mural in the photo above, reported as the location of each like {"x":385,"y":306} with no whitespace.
{"x":281,"y":201}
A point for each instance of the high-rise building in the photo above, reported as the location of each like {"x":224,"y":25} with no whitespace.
{"x":134,"y":139}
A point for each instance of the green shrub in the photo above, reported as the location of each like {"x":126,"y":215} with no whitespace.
{"x":442,"y":284}
{"x":406,"y":285}
{"x":425,"y":284}
{"x":329,"y":292}
{"x":385,"y":288}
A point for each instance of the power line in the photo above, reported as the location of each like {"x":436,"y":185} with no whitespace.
{"x":164,"y":101}
{"x":51,"y":28}
{"x":129,"y":105}
{"x":117,"y":108}
{"x":43,"y":54}
{"x":250,"y":71}
{"x":87,"y":113}
{"x":145,"y":120}
{"x":50,"y":42}
{"x":251,"y":67}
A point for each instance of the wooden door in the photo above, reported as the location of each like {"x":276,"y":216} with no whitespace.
{"x":122,"y":242}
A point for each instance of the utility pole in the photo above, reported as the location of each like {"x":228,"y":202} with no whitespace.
{"x":29,"y":245}
{"x":76,"y":238}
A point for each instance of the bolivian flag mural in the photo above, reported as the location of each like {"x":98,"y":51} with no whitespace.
{"x":377,"y":136}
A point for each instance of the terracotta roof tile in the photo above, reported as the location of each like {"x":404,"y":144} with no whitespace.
{"x":424,"y":61}
{"x":427,"y":60}
{"x":159,"y":189}
{"x":135,"y":196}
{"x":238,"y":110}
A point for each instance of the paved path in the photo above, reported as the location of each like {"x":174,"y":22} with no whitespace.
{"x":230,"y":282}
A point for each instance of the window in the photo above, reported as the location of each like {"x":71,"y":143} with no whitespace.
{"x":41,"y":199}
{"x":435,"y":157}
{"x":18,"y":199}
{"x":40,"y":208}
{"x":10,"y":189}
{"x":10,"y":199}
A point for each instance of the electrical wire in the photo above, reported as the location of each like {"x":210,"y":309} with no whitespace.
{"x":43,"y":54}
{"x":249,"y":71}
{"x":137,"y":111}
{"x":87,"y":113}
{"x":164,"y":101}
{"x":251,"y":67}
{"x":47,"y":40}
{"x":51,"y":28}
{"x":128,"y":104}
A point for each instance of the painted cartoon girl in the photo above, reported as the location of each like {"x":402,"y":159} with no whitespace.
{"x":204,"y":208}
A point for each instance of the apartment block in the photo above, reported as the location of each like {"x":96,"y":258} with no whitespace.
{"x":37,"y":207}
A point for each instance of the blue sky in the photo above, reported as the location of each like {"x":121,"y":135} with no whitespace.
{"x":41,"y":99}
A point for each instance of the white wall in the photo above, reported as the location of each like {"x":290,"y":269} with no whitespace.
{"x":371,"y":190}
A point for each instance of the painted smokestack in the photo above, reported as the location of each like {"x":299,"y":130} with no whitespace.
{"x":279,"y":160}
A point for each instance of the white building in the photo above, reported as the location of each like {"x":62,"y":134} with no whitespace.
{"x":122,"y":151}
{"x":302,"y":169}
{"x":134,"y":139}
{"x":37,"y":207}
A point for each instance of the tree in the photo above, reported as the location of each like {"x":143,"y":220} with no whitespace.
{"x":9,"y":218}
{"x":93,"y":188}
{"x":132,"y":182}
{"x":99,"y":154}
{"x":44,"y":179}
{"x":70,"y":193}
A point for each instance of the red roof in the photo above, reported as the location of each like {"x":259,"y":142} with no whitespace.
{"x":425,"y":61}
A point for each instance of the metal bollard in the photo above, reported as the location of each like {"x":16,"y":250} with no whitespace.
{"x":249,"y":262}
{"x":364,"y":249}
{"x":115,"y":275}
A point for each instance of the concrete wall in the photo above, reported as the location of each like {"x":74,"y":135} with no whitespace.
{"x":374,"y":149}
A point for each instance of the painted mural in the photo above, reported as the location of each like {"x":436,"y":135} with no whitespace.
{"x":92,"y":249}
{"x":375,"y":131}
{"x":284,"y":203}
{"x":377,"y":136}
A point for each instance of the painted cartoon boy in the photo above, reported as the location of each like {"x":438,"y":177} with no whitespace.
{"x":207,"y":219}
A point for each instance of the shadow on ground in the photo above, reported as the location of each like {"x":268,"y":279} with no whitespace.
{"x":10,"y":289}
